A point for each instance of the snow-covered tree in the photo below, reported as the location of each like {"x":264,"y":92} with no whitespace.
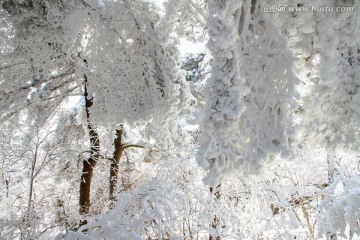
{"x":95,"y":140}
{"x":250,"y":91}
{"x":327,"y":45}
{"x":332,"y":107}
{"x":54,"y":50}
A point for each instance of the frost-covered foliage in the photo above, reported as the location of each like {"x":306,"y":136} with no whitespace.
{"x":192,"y":64}
{"x":197,"y":67}
{"x":249,"y":93}
{"x":334,"y":98}
{"x":278,"y":203}
{"x":52,"y":51}
{"x":326,"y":44}
{"x":130,"y":71}
{"x":339,"y":211}
{"x":36,"y":181}
{"x":158,"y":200}
{"x":57,"y":48}
{"x":187,"y":17}
{"x":143,"y":212}
{"x":34,"y":57}
{"x":124,"y":55}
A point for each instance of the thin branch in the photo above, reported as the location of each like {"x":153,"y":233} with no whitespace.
{"x":132,"y":145}
{"x":12,"y":65}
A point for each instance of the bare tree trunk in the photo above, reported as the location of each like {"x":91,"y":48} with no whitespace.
{"x":31,"y":181}
{"x":119,"y":148}
{"x":115,"y":162}
{"x":331,"y":168}
{"x":216,"y":220}
{"x":89,"y":164}
{"x":30,"y":204}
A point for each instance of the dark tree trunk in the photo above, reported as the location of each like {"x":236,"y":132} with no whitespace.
{"x":89,"y":164}
{"x":115,"y":162}
{"x":119,"y":148}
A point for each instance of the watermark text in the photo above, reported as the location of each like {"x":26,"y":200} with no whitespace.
{"x":300,"y":8}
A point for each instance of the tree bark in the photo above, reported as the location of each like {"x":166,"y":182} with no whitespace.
{"x":119,"y":148}
{"x":89,"y":164}
{"x":331,"y":167}
{"x":115,"y":162}
{"x":331,"y":171}
{"x":216,"y":220}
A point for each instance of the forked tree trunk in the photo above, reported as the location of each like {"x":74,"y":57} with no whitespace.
{"x":89,"y":164}
{"x":115,"y":162}
{"x":119,"y":148}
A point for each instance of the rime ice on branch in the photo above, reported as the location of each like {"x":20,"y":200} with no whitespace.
{"x":249,"y":94}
